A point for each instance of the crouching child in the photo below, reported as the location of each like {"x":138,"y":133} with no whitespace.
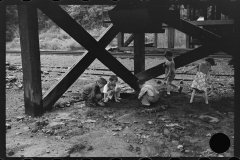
{"x":92,"y":93}
{"x":111,"y":89}
{"x":148,"y":94}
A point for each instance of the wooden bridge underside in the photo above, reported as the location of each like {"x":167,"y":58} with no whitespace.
{"x":36,"y":103}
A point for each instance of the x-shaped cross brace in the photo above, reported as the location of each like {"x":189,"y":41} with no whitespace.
{"x":95,"y":50}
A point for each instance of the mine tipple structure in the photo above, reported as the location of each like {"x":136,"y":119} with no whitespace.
{"x":219,"y":31}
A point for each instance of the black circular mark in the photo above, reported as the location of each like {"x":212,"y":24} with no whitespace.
{"x":115,"y":0}
{"x":204,"y":158}
{"x":219,"y":143}
{"x":145,"y":158}
{"x":26,"y":0}
{"x":55,"y":0}
{"x":86,"y":0}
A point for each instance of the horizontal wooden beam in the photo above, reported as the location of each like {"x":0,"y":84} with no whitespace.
{"x":180,"y":61}
{"x":115,"y":2}
{"x":153,"y":49}
{"x":63,"y":20}
{"x":202,"y":23}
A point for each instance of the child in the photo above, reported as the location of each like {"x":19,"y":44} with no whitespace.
{"x":148,"y":94}
{"x":111,"y":89}
{"x":201,"y":78}
{"x":92,"y":93}
{"x":170,"y":73}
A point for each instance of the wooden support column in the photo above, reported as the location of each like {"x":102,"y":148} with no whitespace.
{"x":188,"y":38}
{"x":28,"y":27}
{"x":213,"y":12}
{"x":3,"y":74}
{"x":139,"y":52}
{"x":237,"y":81}
{"x":155,"y":39}
{"x":120,"y":39}
{"x":171,"y":36}
{"x":129,"y":40}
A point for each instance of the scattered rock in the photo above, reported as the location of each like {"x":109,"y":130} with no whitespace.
{"x":10,"y":153}
{"x":8,"y":126}
{"x":22,"y":149}
{"x":90,"y":121}
{"x":47,"y":151}
{"x":180,"y":146}
{"x":207,"y":118}
{"x":155,"y":134}
{"x":8,"y":120}
{"x":58,"y":137}
{"x":150,"y":122}
{"x":130,"y":148}
{"x":138,"y":149}
{"x":220,"y":155}
{"x":18,"y":133}
{"x":117,"y":129}
{"x":19,"y":118}
{"x":209,"y":135}
{"x":56,"y":125}
{"x":34,"y":130}
{"x":90,"y":148}
{"x":187,"y":151}
{"x":166,"y":131}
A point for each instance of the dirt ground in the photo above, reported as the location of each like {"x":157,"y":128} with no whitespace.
{"x":123,"y":129}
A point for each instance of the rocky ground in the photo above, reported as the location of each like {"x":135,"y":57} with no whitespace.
{"x":123,"y":129}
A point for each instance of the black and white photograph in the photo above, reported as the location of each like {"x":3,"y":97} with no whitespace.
{"x":119,"y":78}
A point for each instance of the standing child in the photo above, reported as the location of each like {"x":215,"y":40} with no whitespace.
{"x":170,"y":73}
{"x":148,"y":94}
{"x":92,"y":94}
{"x":111,"y":89}
{"x":202,"y":78}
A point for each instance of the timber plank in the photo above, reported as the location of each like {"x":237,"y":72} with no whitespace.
{"x":28,"y":26}
{"x":129,"y":40}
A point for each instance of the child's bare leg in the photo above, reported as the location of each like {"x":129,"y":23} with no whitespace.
{"x":176,"y":86}
{"x":192,"y":96}
{"x":168,"y":88}
{"x":206,"y":97}
{"x":117,"y":93}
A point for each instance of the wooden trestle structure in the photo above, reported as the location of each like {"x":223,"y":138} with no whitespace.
{"x":144,"y":16}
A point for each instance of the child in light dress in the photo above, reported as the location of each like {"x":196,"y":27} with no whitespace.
{"x":170,"y":73}
{"x":111,"y":89}
{"x":202,"y":78}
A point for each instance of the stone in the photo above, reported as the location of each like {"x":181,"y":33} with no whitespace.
{"x":18,"y":133}
{"x":8,"y":120}
{"x":180,"y":146}
{"x":150,"y":122}
{"x":55,"y":124}
{"x":166,"y":131}
{"x":8,"y":126}
{"x":10,"y":153}
{"x":26,"y":128}
{"x":20,"y":118}
{"x":155,"y":134}
{"x":90,"y":148}
{"x":58,"y":137}
{"x":138,"y":149}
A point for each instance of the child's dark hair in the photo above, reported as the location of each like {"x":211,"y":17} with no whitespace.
{"x":113,"y":77}
{"x":211,"y":61}
{"x":168,"y":53}
{"x":102,"y":81}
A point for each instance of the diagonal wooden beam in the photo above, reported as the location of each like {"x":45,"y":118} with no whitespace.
{"x":129,"y":40}
{"x":180,"y":61}
{"x":56,"y":91}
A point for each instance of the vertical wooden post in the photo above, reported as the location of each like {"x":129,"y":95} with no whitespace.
{"x":213,"y":12}
{"x":120,"y":39}
{"x":237,"y":81}
{"x":155,"y":39}
{"x":28,"y":27}
{"x":171,"y":36}
{"x":139,"y":52}
{"x":218,"y":11}
{"x":2,"y":73}
{"x":188,"y":17}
